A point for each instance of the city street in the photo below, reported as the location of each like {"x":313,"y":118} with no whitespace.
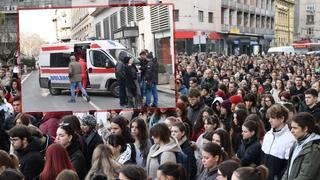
{"x":36,"y":99}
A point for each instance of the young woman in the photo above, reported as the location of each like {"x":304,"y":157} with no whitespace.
{"x":159,"y":115}
{"x":199,"y":124}
{"x":250,"y":173}
{"x":275,"y":92}
{"x":163,"y":150}
{"x":103,"y":162}
{"x":226,"y":168}
{"x":67,"y":175}
{"x":120,"y":149}
{"x":132,"y":85}
{"x":133,"y":172}
{"x":249,"y":151}
{"x":8,"y":161}
{"x":57,"y":159}
{"x":268,"y":102}
{"x":222,"y":138}
{"x":172,"y":171}
{"x":304,"y":154}
{"x":212,"y":155}
{"x":68,"y":139}
{"x":178,"y":131}
{"x":142,"y":144}
{"x":239,"y":117}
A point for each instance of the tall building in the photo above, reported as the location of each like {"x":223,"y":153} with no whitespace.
{"x":307,"y":24}
{"x":197,"y":25}
{"x":110,"y":2}
{"x":284,"y":22}
{"x":247,"y":25}
{"x":62,"y":22}
{"x":82,"y":26}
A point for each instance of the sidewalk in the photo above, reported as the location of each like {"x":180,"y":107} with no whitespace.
{"x":165,"y":88}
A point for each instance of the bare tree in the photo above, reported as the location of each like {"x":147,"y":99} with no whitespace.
{"x":30,"y":44}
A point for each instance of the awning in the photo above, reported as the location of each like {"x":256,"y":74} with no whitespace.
{"x":184,"y":34}
{"x":214,"y":36}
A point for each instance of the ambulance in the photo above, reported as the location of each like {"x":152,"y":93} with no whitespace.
{"x":101,"y":57}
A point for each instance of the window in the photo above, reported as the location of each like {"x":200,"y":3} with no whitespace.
{"x":59,"y":59}
{"x":106,"y":31}
{"x":210,"y":15}
{"x":310,"y":31}
{"x":176,"y":15}
{"x":200,"y":16}
{"x":310,"y":19}
{"x":98,"y":30}
{"x":310,"y":8}
{"x":99,"y":59}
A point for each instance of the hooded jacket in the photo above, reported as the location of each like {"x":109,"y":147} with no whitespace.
{"x":31,"y":161}
{"x":304,"y":163}
{"x":166,"y":153}
{"x":315,"y":111}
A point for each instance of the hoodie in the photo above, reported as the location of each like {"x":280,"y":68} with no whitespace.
{"x":166,"y":153}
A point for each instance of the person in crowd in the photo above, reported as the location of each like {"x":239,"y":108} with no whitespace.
{"x":226,"y":114}
{"x":268,"y":102}
{"x":120,"y":74}
{"x":212,"y":156}
{"x":216,"y":105}
{"x":14,"y":90}
{"x":251,"y":102}
{"x":159,"y":115}
{"x":69,"y":140}
{"x":11,"y":174}
{"x":261,"y":128}
{"x":120,"y":149}
{"x":132,"y":172}
{"x":198,"y":127}
{"x":171,"y":170}
{"x":297,"y":88}
{"x":91,"y":136}
{"x":9,"y":122}
{"x":207,"y":98}
{"x":187,"y":75}
{"x":235,"y":99}
{"x":313,"y":106}
{"x":210,"y":124}
{"x":275,"y":92}
{"x":232,"y":88}
{"x":143,"y":65}
{"x":8,"y":161}
{"x":163,"y":150}
{"x":151,"y":76}
{"x":22,"y":119}
{"x":50,"y":122}
{"x":75,"y":79}
{"x":196,"y":105}
{"x":208,"y":81}
{"x":57,"y":159}
{"x":249,"y":151}
{"x":279,"y":136}
{"x":181,"y":88}
{"x":226,"y":168}
{"x":304,"y":154}
{"x":67,"y":174}
{"x":132,"y":86}
{"x":178,"y":131}
{"x":222,"y":138}
{"x":250,"y":173}
{"x":44,"y":139}
{"x":239,"y":117}
{"x":28,"y":150}
{"x":142,"y":144}
{"x":181,"y":111}
{"x":285,"y":96}
{"x":104,"y":163}
{"x":193,"y":84}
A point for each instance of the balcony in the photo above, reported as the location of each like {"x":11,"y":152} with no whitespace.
{"x":225,"y":28}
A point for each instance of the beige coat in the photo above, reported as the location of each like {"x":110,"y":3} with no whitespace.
{"x":166,"y":152}
{"x":75,"y":71}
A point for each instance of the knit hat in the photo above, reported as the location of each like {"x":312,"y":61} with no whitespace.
{"x":226,"y":104}
{"x":89,"y":120}
{"x":235,"y":99}
{"x":220,"y":94}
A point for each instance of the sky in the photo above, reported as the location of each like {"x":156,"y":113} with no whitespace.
{"x":39,"y":22}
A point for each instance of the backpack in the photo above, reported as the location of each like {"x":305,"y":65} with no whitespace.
{"x":182,"y":159}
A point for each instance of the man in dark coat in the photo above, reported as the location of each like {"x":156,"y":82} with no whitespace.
{"x":313,"y":106}
{"x":187,"y":75}
{"x":208,"y":81}
{"x":143,"y":66}
{"x":91,"y":136}
{"x":196,"y":105}
{"x":28,"y":149}
{"x":121,"y":79}
{"x":298,"y":88}
{"x":151,"y":76}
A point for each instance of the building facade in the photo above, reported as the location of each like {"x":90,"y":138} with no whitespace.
{"x":82,"y":23}
{"x":284,"y":22}
{"x":307,"y":24}
{"x":197,"y":24}
{"x":62,"y":22}
{"x":111,"y":2}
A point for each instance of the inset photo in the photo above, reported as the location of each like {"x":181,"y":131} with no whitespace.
{"x":79,"y":59}
{"x":111,"y":2}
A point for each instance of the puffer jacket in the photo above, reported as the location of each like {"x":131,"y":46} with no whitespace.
{"x":250,"y":151}
{"x":304,"y":160}
{"x":166,"y":153}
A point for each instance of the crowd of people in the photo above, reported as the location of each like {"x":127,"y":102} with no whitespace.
{"x":236,"y":117}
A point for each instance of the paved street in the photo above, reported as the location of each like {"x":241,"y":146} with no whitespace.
{"x":36,"y":99}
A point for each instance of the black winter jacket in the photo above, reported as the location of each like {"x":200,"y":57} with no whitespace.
{"x":250,"y":152}
{"x":77,"y":159}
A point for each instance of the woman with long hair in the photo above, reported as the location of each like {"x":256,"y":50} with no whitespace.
{"x":182,"y":111}
{"x":222,"y":138}
{"x":159,"y":115}
{"x":8,"y":161}
{"x":251,"y":173}
{"x":133,"y":172}
{"x":172,"y":171}
{"x":57,"y":159}
{"x":275,"y":92}
{"x":69,"y":140}
{"x":239,"y":117}
{"x":198,"y":128}
{"x":178,"y":130}
{"x":142,"y":144}
{"x":103,"y":162}
{"x":268,"y":102}
{"x":120,"y":149}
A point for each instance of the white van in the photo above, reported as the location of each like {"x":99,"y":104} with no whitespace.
{"x":101,"y":57}
{"x":281,"y":49}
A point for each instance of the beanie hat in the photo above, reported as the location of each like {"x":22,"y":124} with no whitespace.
{"x":89,"y":120}
{"x":235,"y":99}
{"x":226,"y":104}
{"x":220,"y":94}
{"x":217,"y":99}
